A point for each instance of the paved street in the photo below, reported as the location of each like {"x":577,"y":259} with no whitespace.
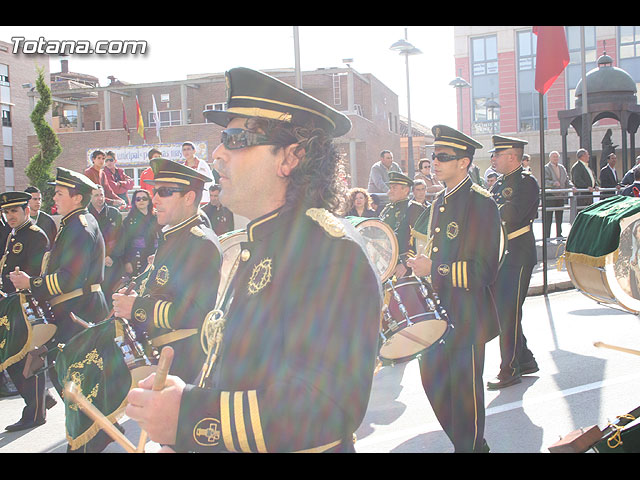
{"x":578,"y":385}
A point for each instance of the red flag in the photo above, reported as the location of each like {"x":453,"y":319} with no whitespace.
{"x":552,"y":56}
{"x":125,"y":123}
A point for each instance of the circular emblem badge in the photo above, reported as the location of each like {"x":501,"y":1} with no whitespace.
{"x":207,"y":432}
{"x":452,"y":230}
{"x":37,"y":281}
{"x":507,"y":192}
{"x":260,"y":276}
{"x":17,"y":248}
{"x":140,"y":315}
{"x":162,"y":277}
{"x":443,"y":270}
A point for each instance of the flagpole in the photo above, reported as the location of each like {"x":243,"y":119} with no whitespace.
{"x":544,"y":200}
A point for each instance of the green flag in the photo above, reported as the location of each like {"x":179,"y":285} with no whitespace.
{"x":95,"y":363}
{"x":15,"y":330}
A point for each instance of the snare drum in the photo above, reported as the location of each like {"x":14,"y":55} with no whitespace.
{"x":40,"y":318}
{"x":412,"y":321}
{"x":140,"y":357}
{"x":603,"y":253}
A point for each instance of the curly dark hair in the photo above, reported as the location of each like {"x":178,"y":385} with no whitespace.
{"x":317,"y":180}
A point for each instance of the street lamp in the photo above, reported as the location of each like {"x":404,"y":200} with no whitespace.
{"x":460,"y":83}
{"x":403,"y":47}
{"x":492,"y":105}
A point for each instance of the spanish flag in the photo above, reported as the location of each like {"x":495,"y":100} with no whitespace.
{"x":140,"y":127}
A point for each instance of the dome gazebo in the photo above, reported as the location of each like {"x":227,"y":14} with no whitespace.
{"x":611,"y":93}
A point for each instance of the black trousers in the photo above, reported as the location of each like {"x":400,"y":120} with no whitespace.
{"x":550,"y":203}
{"x":31,"y":390}
{"x":510,"y":292}
{"x":452,"y":380}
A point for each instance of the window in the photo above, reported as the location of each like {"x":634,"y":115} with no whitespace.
{"x":4,"y":75}
{"x":6,"y":116}
{"x":8,"y":156}
{"x":575,"y":46}
{"x":69,"y":118}
{"x":629,"y":41}
{"x":528,"y":96}
{"x":484,"y":51}
{"x":168,"y":118}
{"x":215,"y":106}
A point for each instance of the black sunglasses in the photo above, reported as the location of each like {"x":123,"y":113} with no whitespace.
{"x":167,"y":191}
{"x":445,"y":157}
{"x":237,"y":138}
{"x":141,"y":199}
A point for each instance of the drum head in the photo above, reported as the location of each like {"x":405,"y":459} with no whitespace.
{"x":231,"y":248}
{"x":41,"y":334}
{"x":381,"y":244}
{"x":140,"y":373}
{"x":407,"y":343}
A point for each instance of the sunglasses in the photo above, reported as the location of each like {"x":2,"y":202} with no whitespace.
{"x":237,"y":138}
{"x":445,"y":157}
{"x":167,"y":191}
{"x":141,"y":199}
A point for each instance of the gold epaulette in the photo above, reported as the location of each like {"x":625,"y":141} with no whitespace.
{"x":83,"y":220}
{"x":478,"y":189}
{"x":327,"y":221}
{"x":34,"y":228}
{"x":197,"y":231}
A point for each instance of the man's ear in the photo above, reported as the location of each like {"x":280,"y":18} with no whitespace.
{"x":289,"y":160}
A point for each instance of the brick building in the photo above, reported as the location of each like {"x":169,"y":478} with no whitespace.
{"x":499,"y":63}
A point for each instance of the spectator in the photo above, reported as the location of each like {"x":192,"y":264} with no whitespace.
{"x":138,"y":235}
{"x":39,"y":217}
{"x":119,"y":181}
{"x":109,"y":220}
{"x":424,"y":173}
{"x":96,"y":174}
{"x":633,"y":190}
{"x":555,"y":177}
{"x":359,"y":204}
{"x":491,"y":178}
{"x":192,"y":161}
{"x":582,"y":177}
{"x":376,"y":203}
{"x":221,"y":217}
{"x":147,"y":173}
{"x":609,"y":176}
{"x":526,"y":167}
{"x":419,"y":191}
{"x":628,"y":178}
{"x":379,"y":173}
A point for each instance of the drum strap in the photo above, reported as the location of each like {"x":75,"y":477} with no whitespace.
{"x":519,"y":232}
{"x":174,"y":336}
{"x":73,"y":294}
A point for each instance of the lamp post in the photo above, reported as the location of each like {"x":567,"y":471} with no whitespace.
{"x":492,"y":105}
{"x":403,"y":47}
{"x":459,"y":83}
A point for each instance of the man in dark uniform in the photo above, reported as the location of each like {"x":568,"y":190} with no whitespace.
{"x":39,"y":217}
{"x":24,"y":248}
{"x":73,"y":269}
{"x":177,"y":290}
{"x":294,"y":343}
{"x":517,"y":194}
{"x":464,"y":225}
{"x":401,"y":214}
{"x":221,"y":217}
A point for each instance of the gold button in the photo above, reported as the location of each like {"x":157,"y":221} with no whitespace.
{"x":442,"y":209}
{"x":435,"y":249}
{"x":437,"y":229}
{"x":245,"y":255}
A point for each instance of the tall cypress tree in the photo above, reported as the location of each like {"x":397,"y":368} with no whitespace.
{"x":39,"y":170}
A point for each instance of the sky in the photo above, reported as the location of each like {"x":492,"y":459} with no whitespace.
{"x":173,"y":52}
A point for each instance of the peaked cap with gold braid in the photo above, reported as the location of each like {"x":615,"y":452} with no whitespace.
{"x":14,"y":199}
{"x":504,"y":143}
{"x":168,"y":171}
{"x":255,"y":94}
{"x":70,"y":179}
{"x":445,"y":136}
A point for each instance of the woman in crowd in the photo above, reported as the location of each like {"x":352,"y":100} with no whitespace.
{"x":359,"y":204}
{"x":138,"y":234}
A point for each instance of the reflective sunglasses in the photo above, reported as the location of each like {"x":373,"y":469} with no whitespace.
{"x":167,"y":191}
{"x":445,"y":157}
{"x":237,"y":138}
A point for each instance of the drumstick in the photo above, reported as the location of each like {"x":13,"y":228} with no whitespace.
{"x":74,"y":394}
{"x":164,"y":363}
{"x":613,"y":347}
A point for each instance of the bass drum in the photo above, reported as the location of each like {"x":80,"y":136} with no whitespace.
{"x":616,"y":280}
{"x":380,"y":243}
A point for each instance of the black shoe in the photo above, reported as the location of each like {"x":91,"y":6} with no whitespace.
{"x":503,"y":381}
{"x":25,"y":424}
{"x":529,"y":367}
{"x":49,"y":401}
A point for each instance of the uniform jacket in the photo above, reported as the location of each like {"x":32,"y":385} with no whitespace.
{"x":47,"y":224}
{"x":24,"y":247}
{"x":220,"y":217}
{"x":517,"y":195}
{"x":76,"y":262}
{"x":401,"y":216}
{"x":178,"y":290}
{"x":109,"y":220}
{"x":299,"y":344}
{"x":465,"y":226}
